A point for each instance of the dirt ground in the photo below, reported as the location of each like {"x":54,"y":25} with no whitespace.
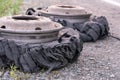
{"x":99,"y":60}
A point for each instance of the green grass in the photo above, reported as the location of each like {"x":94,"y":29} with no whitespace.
{"x":9,"y":7}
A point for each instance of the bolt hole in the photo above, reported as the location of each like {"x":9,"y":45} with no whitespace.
{"x":39,"y":8}
{"x":67,"y":12}
{"x":3,"y":27}
{"x":38,"y":28}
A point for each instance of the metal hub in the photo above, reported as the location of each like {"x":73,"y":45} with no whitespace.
{"x":65,"y":10}
{"x":71,"y":14}
{"x":29,"y":29}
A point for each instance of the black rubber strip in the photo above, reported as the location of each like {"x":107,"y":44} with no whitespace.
{"x":7,"y":49}
{"x":15,"y":52}
{"x":93,"y":34}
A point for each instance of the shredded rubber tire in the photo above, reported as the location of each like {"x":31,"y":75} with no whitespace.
{"x":51,"y":55}
{"x":30,"y":11}
{"x":92,"y":30}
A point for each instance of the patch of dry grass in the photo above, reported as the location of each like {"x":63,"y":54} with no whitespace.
{"x":9,"y":7}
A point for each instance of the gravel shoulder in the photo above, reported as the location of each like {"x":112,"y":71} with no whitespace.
{"x":99,"y":60}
